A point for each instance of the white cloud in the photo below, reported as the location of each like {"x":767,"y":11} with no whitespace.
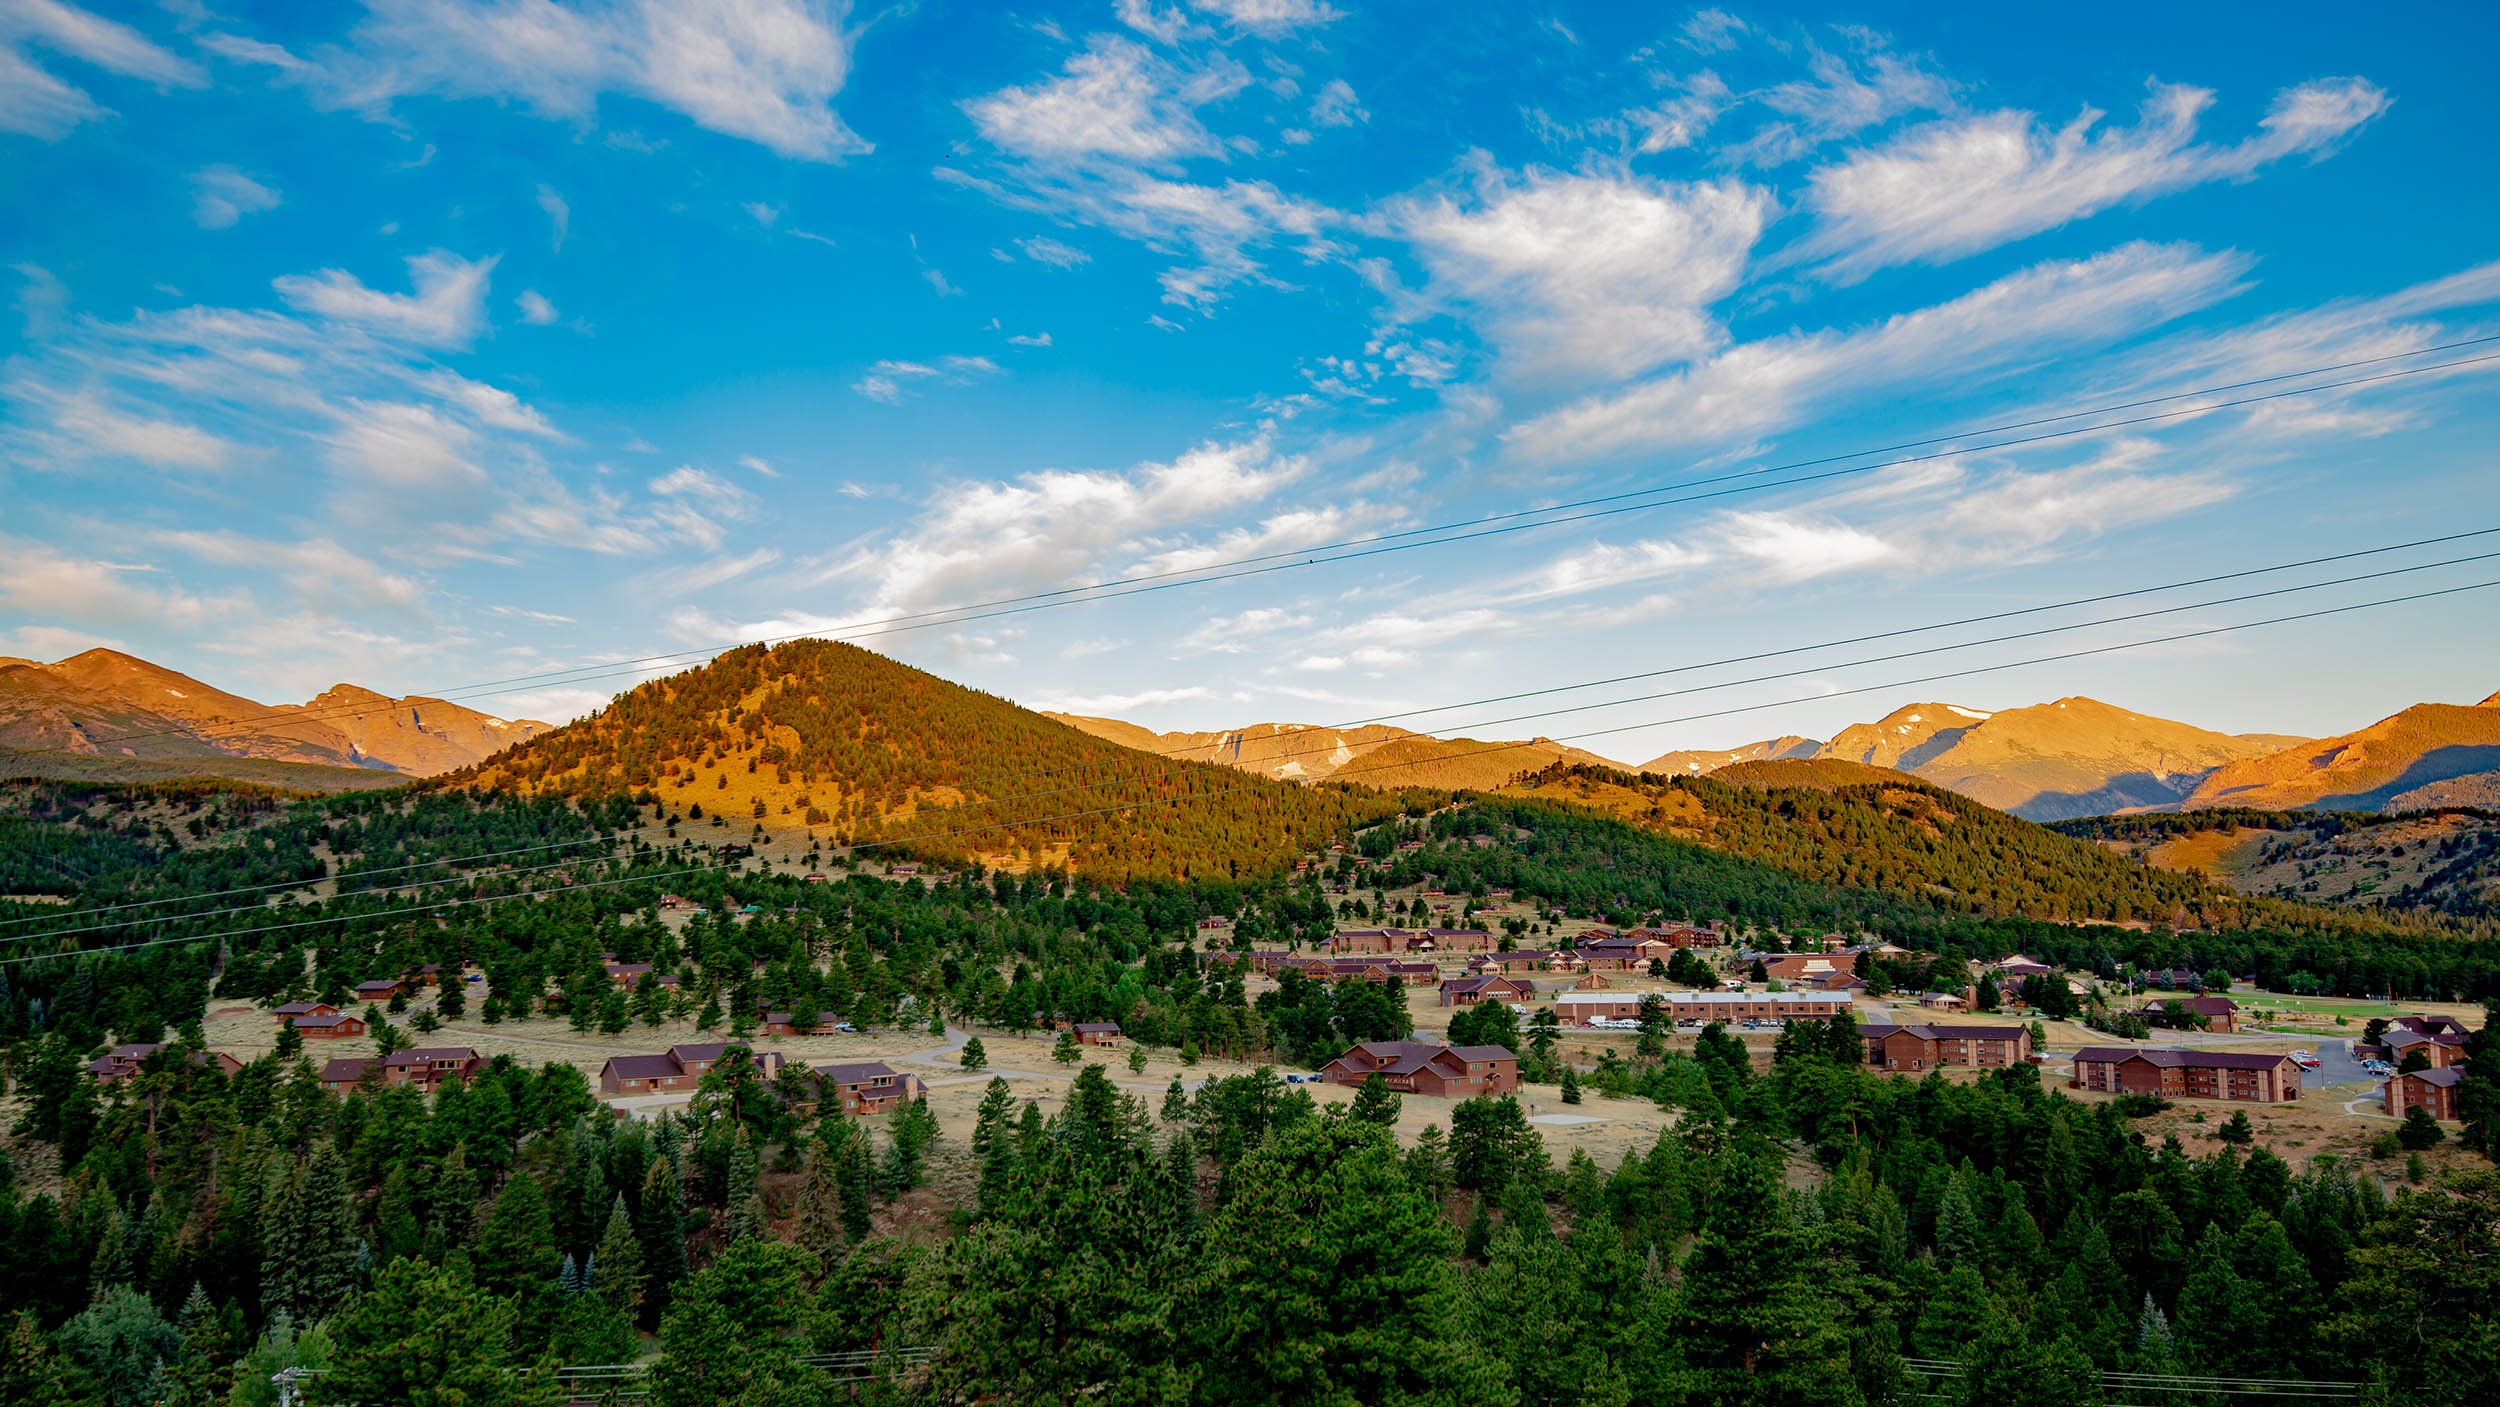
{"x":1762,"y":385}
{"x":535,"y":309}
{"x":319,"y":572}
{"x":1029,"y":339}
{"x":1839,"y":98}
{"x":85,"y":428}
{"x":1120,"y":703}
{"x":1581,"y":273}
{"x":236,"y":48}
{"x":447,"y":308}
{"x":889,"y":381}
{"x":1269,"y":17}
{"x":755,"y":465}
{"x":1116,"y":99}
{"x":1951,"y":188}
{"x":33,"y":103}
{"x":107,"y":44}
{"x":1712,"y":31}
{"x":1086,"y":145}
{"x":1335,"y":106}
{"x":1043,"y":250}
{"x":1793,"y":547}
{"x":761,"y":213}
{"x":40,"y":581}
{"x":1059,"y":527}
{"x":762,"y":70}
{"x":222,"y":195}
{"x":559,"y":216}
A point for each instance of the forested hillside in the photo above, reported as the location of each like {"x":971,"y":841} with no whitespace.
{"x":2443,"y":861}
{"x":849,"y":746}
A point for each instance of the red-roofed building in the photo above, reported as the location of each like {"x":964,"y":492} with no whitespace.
{"x":678,"y":1067}
{"x":867,"y":1087}
{"x":2214,"y":1013}
{"x":1916,"y":1048}
{"x":328,"y":1025}
{"x":2432,"y":1090}
{"x":427,"y":1067}
{"x":123,"y":1061}
{"x":1419,"y":1067}
{"x":2188,"y":1074}
{"x":1467,"y":991}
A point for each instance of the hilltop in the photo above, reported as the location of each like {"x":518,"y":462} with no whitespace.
{"x":1692,"y":762}
{"x":842,"y":744}
{"x":2431,"y":754}
{"x":109,"y":716}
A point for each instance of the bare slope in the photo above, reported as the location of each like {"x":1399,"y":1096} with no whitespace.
{"x":2078,"y":757}
{"x":2429,"y":754}
{"x":111,"y":715}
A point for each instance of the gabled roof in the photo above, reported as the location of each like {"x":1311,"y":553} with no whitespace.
{"x":1097,"y":1028}
{"x":429,"y":1055}
{"x":857,"y":1072}
{"x":642,"y":1067}
{"x":344,"y":1071}
{"x":2443,"y":1077}
{"x":2169,"y":1058}
{"x":1877,"y":1030}
{"x":1407,"y":1057}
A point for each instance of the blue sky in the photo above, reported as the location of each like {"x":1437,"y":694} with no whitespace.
{"x":434,"y":342}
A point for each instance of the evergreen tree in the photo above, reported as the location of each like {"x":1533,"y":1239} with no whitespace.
{"x":975,"y":1056}
{"x":742,"y":1203}
{"x":615,"y":1272}
{"x":731,"y":1337}
{"x":200,"y":1373}
{"x":428,"y":1336}
{"x":516,"y":1252}
{"x":117,"y":1350}
{"x":1374,"y":1102}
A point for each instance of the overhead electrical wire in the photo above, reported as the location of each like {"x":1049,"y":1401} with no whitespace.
{"x":1437,"y":535}
{"x":1180,"y":753}
{"x":924,"y":838}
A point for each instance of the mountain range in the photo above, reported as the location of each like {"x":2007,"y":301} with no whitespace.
{"x":106,"y":715}
{"x":1375,"y":754}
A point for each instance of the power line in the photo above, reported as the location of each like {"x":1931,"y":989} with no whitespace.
{"x":1180,"y":752}
{"x":921,"y":839}
{"x":1443,"y":534}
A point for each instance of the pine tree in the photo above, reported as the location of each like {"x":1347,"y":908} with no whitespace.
{"x":1374,"y":1102}
{"x":743,"y":1201}
{"x":30,"y":1376}
{"x":199,"y":1375}
{"x":660,"y":1226}
{"x":615,"y":1271}
{"x":427,"y":1334}
{"x":516,"y":1249}
{"x":1571,"y":1084}
{"x":976,"y":1056}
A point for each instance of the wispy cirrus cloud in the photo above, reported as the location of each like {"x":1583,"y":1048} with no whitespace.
{"x":1952,"y":188}
{"x":1759,"y":386}
{"x":764,"y":71}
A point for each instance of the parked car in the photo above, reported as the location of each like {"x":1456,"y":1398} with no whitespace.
{"x":2304,"y":1060}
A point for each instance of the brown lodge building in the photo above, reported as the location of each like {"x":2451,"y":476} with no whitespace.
{"x":1420,"y":1067}
{"x":2188,"y":1074}
{"x":1916,"y":1048}
{"x":2434,"y":1090}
